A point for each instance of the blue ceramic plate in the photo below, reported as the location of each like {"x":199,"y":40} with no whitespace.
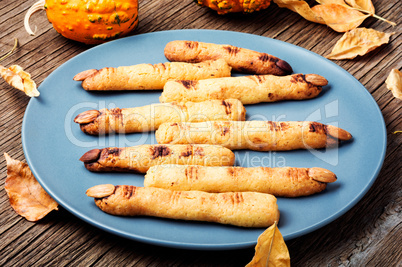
{"x":53,"y":143}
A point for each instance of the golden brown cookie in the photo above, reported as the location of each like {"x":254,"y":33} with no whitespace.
{"x":245,"y":209}
{"x":141,"y":158}
{"x":280,"y":182}
{"x":248,"y":89}
{"x":240,"y":59}
{"x":150,"y":77}
{"x":150,"y":117}
{"x":254,"y":135}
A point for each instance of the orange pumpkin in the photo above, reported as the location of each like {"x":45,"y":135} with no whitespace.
{"x":89,"y":21}
{"x":231,"y":6}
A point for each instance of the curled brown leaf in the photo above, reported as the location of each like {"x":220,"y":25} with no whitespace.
{"x":26,"y":195}
{"x":19,"y":79}
{"x":394,"y":83}
{"x":358,"y":42}
{"x":271,"y":249}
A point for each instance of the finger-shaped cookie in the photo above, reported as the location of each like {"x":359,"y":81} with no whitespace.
{"x":240,"y":59}
{"x":248,"y":89}
{"x":150,"y":117}
{"x":254,"y":135}
{"x":141,"y":158}
{"x":150,"y":77}
{"x":245,"y":209}
{"x":280,"y":182}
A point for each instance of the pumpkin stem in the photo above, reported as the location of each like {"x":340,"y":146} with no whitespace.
{"x":40,"y":5}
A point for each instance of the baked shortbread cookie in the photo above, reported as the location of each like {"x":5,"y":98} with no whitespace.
{"x":247,"y":89}
{"x":141,"y":158}
{"x":254,"y":135}
{"x":245,"y":209}
{"x":240,"y":59}
{"x":150,"y":117}
{"x":150,"y":77}
{"x":280,"y":181}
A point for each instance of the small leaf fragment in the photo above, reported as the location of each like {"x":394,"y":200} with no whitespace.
{"x":394,"y":83}
{"x":358,"y":42}
{"x":11,"y":78}
{"x":26,"y":195}
{"x":271,"y":249}
{"x":19,"y":79}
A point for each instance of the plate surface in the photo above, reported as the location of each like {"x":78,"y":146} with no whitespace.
{"x":53,"y":143}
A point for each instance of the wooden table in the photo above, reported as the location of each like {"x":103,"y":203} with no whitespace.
{"x":367,"y":235}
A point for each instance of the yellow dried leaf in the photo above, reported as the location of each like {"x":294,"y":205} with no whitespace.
{"x":12,"y":79}
{"x":394,"y":83}
{"x":271,"y":250}
{"x":26,"y":195}
{"x":301,"y":8}
{"x":19,"y":79}
{"x":339,"y":17}
{"x":358,"y":42}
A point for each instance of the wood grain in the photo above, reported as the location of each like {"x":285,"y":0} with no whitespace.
{"x":368,"y":235}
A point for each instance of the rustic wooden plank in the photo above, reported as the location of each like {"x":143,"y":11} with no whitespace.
{"x":15,"y":244}
{"x":50,"y":243}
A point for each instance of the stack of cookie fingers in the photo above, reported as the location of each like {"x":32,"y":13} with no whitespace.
{"x":200,"y":120}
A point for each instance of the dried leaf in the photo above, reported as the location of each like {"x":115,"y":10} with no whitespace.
{"x":339,"y":17}
{"x":394,"y":83}
{"x":19,"y":79}
{"x":358,"y":42}
{"x":26,"y":195}
{"x":301,"y":8}
{"x":11,"y":78}
{"x":270,"y":250}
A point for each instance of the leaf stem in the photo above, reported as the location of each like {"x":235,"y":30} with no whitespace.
{"x":11,"y":51}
